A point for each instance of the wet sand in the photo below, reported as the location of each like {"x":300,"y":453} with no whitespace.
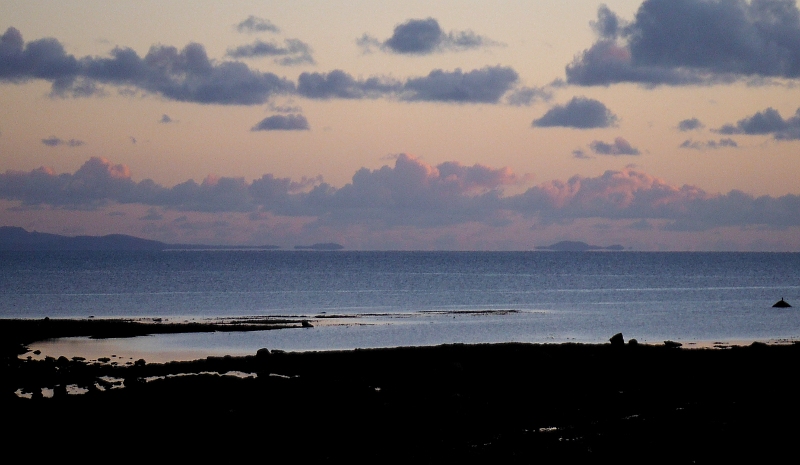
{"x":452,"y":403}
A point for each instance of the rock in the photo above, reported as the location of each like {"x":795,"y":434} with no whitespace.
{"x":672,"y":344}
{"x":633,"y":342}
{"x":617,"y":340}
{"x":262,"y":353}
{"x":781,"y":304}
{"x":306,"y":324}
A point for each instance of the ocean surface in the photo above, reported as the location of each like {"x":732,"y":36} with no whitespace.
{"x":389,"y":299}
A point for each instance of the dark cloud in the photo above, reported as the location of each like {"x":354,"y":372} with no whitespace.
{"x":184,"y":75}
{"x":608,"y":24}
{"x":188,"y":75}
{"x":54,"y":141}
{"x":710,"y":144}
{"x":768,"y":121}
{"x":424,"y":36}
{"x":416,"y":36}
{"x":292,"y":52}
{"x":410,"y":193}
{"x":693,"y":42}
{"x":282,"y":123}
{"x":339,"y":84}
{"x":690,"y":124}
{"x":580,"y":112}
{"x":486,"y":85}
{"x":255,"y":24}
{"x":620,"y":146}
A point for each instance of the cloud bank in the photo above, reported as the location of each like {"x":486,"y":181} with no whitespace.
{"x":189,"y":75}
{"x":411,"y":194}
{"x":680,"y":42}
{"x":768,"y":121}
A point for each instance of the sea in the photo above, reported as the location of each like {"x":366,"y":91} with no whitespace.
{"x":367,"y":299}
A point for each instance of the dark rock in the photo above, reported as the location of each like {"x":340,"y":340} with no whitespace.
{"x":781,"y":304}
{"x":633,"y":342}
{"x":262,"y":353}
{"x":672,"y":344}
{"x":617,"y":340}
{"x":306,"y":324}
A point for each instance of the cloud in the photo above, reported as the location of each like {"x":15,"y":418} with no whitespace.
{"x":339,"y":84}
{"x":768,"y":121}
{"x":709,"y":144}
{"x":689,"y":124}
{"x":692,"y":42}
{"x":255,"y":24}
{"x":189,"y":75}
{"x":608,"y":24}
{"x":282,"y":123}
{"x":54,"y":141}
{"x":411,"y":193}
{"x":580,"y":154}
{"x":524,"y":96}
{"x":485,"y":85}
{"x":580,"y":112}
{"x":619,"y":147}
{"x":629,"y":194}
{"x":152,"y":215}
{"x":292,"y":52}
{"x":186,"y":75}
{"x":422,"y":37}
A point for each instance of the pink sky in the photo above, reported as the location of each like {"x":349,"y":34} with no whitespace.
{"x":447,"y":125}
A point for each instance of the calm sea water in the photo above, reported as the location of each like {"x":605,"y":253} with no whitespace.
{"x":386,"y":299}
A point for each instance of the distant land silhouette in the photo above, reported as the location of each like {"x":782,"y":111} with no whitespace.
{"x":322,"y":246}
{"x":577,"y":246}
{"x":18,"y":239}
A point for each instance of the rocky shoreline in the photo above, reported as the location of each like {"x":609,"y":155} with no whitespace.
{"x":451,"y":403}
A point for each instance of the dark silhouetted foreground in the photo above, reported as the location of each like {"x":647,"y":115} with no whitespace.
{"x":503,"y":403}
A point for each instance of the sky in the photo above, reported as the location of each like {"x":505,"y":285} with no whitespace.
{"x":657,"y":125}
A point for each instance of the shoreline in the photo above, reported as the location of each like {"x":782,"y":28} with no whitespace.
{"x":509,"y":402}
{"x":125,"y":338}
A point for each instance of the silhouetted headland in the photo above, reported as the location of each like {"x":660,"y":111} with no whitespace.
{"x":18,"y":239}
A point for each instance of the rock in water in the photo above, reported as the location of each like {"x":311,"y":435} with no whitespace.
{"x":782,"y":304}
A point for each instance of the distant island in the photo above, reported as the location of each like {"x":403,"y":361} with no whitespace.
{"x":577,"y":246}
{"x":322,"y":246}
{"x":14,"y":238}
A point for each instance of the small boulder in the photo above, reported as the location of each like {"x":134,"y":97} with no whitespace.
{"x":262,"y":353}
{"x":617,"y":340}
